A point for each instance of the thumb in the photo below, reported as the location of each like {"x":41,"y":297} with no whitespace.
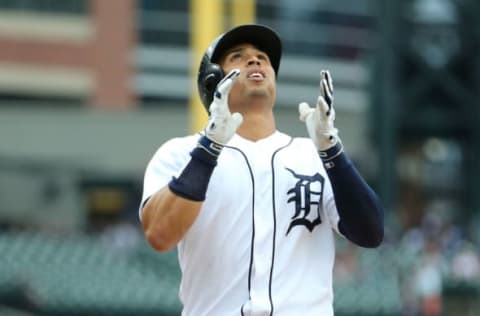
{"x":304,"y":110}
{"x":237,"y":119}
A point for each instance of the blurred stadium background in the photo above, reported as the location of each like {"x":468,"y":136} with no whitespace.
{"x":90,"y":89}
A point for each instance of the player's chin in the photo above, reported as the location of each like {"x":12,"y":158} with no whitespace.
{"x":260,"y":90}
{"x":259,"y":94}
{"x":261,"y":97}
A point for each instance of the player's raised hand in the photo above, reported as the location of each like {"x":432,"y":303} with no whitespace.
{"x":222,"y":124}
{"x":319,"y":120}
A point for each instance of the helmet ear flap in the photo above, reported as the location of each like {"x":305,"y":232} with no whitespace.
{"x":210,"y":74}
{"x":213,"y":76}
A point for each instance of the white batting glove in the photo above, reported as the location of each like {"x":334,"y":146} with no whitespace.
{"x":319,"y":120}
{"x":222,"y":124}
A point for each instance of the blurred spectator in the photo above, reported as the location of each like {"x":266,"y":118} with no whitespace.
{"x":122,"y":236}
{"x":465,"y":265}
{"x":345,"y":269}
{"x":428,"y":279}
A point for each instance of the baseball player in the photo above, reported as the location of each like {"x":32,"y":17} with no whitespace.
{"x":251,"y":210}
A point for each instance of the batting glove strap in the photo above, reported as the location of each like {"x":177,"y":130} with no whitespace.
{"x":209,"y":146}
{"x":329,"y":156}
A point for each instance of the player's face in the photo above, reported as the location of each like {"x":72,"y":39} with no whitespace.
{"x":257,"y":77}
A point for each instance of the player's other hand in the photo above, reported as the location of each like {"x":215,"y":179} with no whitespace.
{"x":222,"y":124}
{"x":319,"y":120}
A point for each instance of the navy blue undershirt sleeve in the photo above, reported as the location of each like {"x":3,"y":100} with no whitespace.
{"x":361,"y":213}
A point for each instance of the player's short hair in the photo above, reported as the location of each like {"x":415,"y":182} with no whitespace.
{"x":210,"y":73}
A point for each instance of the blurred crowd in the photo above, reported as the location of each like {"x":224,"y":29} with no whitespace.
{"x":435,"y":266}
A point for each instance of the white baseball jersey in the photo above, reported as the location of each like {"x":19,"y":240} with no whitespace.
{"x":263,"y":242}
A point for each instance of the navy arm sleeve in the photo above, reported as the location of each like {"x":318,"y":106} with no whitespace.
{"x":360,"y":211}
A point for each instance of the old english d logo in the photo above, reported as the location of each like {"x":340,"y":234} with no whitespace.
{"x":307,"y":196}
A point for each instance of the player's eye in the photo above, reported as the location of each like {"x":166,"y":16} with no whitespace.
{"x":262,"y":56}
{"x":235,"y":57}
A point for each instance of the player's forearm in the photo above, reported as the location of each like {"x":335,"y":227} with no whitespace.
{"x":171,"y":211}
{"x":360,"y":211}
{"x":166,"y":217}
{"x":361,"y":215}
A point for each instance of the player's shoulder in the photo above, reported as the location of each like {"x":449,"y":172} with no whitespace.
{"x":178,"y":145}
{"x":303,"y":143}
{"x":188,"y":141}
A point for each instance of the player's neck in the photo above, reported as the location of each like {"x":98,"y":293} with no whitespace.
{"x":257,"y":126}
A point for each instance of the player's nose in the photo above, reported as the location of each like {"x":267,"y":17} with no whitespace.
{"x":253,"y":60}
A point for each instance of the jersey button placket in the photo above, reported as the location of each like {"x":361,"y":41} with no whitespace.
{"x":263,"y":233}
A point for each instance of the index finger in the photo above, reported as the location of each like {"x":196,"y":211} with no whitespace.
{"x":328,"y":78}
{"x":224,"y":86}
